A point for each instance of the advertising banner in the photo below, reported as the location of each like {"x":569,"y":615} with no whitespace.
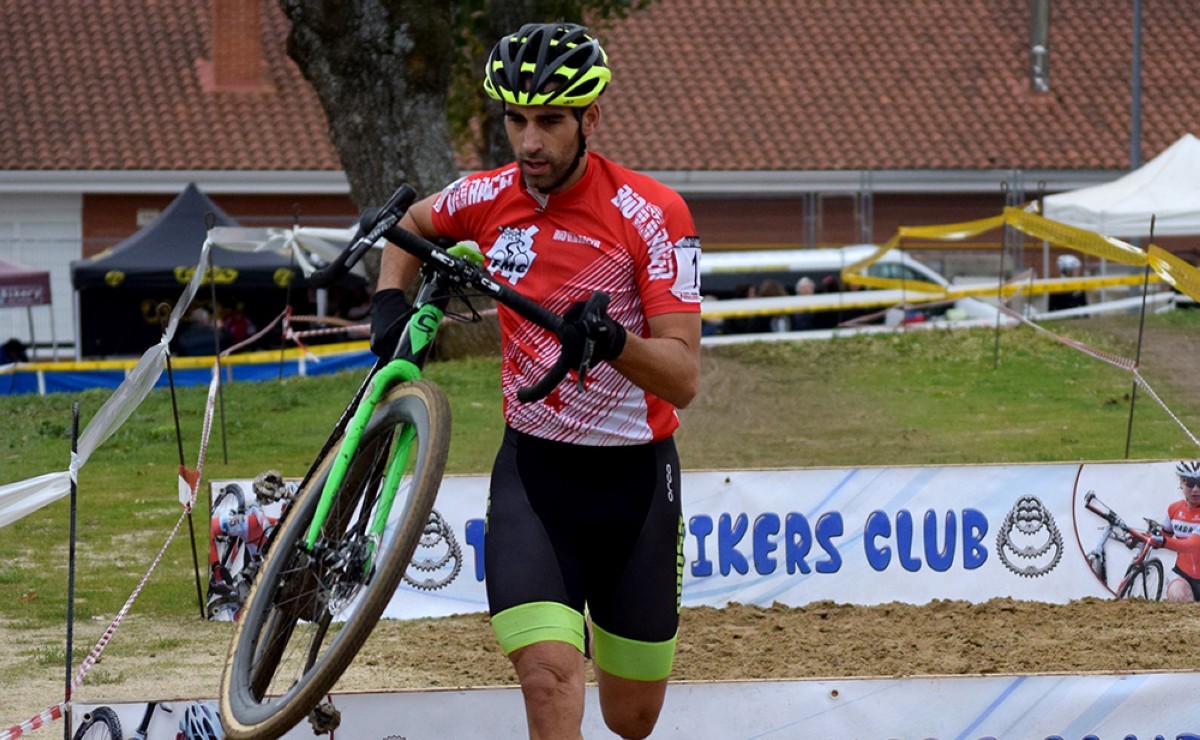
{"x":1033,"y":707}
{"x":864,"y":536}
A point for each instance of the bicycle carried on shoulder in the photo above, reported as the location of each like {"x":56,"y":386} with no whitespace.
{"x":344,"y":545}
{"x":1143,"y":578}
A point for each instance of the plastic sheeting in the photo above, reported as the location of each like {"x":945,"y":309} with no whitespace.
{"x":23,"y":497}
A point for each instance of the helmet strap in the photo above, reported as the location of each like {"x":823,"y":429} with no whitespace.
{"x":578,"y":156}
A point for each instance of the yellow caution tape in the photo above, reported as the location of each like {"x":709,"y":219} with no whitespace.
{"x":247,"y":358}
{"x":1166,"y":267}
{"x":1179,"y":274}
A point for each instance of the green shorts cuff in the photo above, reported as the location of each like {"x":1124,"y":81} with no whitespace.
{"x":540,"y":621}
{"x":633,"y":659}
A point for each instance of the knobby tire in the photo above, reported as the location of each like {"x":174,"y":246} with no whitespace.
{"x":1145,"y":582}
{"x":286,"y":655}
{"x":101,"y":723}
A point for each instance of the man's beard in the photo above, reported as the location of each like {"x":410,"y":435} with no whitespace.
{"x":548,"y":176}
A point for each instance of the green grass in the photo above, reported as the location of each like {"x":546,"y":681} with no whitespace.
{"x":914,"y":398}
{"x":936,"y":398}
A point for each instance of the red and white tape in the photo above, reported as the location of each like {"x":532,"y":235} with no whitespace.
{"x":1123,"y":363}
{"x":56,"y":712}
{"x":94,"y":655}
{"x":50,"y":715}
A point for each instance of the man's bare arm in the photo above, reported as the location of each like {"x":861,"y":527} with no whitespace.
{"x":668,"y":363}
{"x":398,"y":268}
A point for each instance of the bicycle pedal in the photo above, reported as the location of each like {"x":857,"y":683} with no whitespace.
{"x":324,"y":718}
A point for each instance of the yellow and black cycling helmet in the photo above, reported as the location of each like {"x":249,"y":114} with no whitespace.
{"x":547,"y":64}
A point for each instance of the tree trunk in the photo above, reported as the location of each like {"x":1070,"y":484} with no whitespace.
{"x":503,"y":18}
{"x":382,"y":70}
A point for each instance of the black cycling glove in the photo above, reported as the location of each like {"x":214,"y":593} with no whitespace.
{"x":608,"y":337}
{"x":389,"y":307}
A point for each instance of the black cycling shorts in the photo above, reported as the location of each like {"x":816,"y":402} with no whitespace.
{"x":573,"y":528}
{"x":1194,"y":583}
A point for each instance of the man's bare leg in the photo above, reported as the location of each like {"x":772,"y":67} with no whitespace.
{"x":630,"y":707}
{"x":551,"y":676}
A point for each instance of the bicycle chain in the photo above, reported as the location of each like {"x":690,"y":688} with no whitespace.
{"x":436,"y":533}
{"x":1029,"y":516}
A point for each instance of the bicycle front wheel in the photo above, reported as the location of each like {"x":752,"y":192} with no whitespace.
{"x":101,"y":723}
{"x":1144,"y":581}
{"x":310,"y":610}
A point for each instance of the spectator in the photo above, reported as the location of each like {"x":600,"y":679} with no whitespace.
{"x":778,"y":322}
{"x":238,"y":324}
{"x":13,"y":351}
{"x":804,"y":321}
{"x":828,"y":319}
{"x":830,"y":284}
{"x":1069,"y":266}
{"x":201,"y":336}
{"x":740,"y":324}
{"x":711,"y":327}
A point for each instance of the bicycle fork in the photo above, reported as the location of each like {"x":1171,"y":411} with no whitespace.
{"x":415,"y":342}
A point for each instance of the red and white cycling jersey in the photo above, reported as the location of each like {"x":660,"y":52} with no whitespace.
{"x":250,"y":528}
{"x":616,"y":231}
{"x":1183,"y":530}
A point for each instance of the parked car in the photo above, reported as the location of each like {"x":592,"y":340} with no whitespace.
{"x":722,"y":273}
{"x":727,"y":276}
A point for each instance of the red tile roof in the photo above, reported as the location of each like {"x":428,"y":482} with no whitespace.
{"x":893,"y":84}
{"x":119,"y":84}
{"x":698,"y":84}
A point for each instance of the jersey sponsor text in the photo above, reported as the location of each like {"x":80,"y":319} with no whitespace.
{"x":466,"y":192}
{"x":562,"y":235}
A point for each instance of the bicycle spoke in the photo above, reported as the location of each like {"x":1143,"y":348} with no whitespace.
{"x":318,"y":587}
{"x":312,"y":608}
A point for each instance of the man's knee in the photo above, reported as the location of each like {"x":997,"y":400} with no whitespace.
{"x":548,"y":671}
{"x":632,"y":723}
{"x":630,"y":708}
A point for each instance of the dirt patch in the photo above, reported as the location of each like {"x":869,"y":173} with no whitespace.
{"x":823,"y":640}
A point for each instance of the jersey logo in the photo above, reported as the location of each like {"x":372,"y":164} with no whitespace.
{"x":678,"y":261}
{"x":469,"y":191}
{"x":512,"y":255}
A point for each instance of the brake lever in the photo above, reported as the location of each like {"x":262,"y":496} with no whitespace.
{"x":585,"y":363}
{"x":596,"y":303}
{"x":371,"y":226}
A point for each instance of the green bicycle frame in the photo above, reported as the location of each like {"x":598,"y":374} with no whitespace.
{"x":422,"y":329}
{"x":414,"y":346}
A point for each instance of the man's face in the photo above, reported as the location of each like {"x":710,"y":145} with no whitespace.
{"x":1191,"y":490}
{"x":545,"y":139}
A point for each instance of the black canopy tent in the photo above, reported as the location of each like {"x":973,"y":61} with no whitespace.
{"x":121,"y":289}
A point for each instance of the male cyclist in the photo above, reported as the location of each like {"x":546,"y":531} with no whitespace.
{"x":584,"y":510}
{"x":1182,"y":534}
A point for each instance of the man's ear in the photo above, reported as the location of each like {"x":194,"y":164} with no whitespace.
{"x":591,"y":119}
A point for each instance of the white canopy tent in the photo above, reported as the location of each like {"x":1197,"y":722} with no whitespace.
{"x":1167,"y":188}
